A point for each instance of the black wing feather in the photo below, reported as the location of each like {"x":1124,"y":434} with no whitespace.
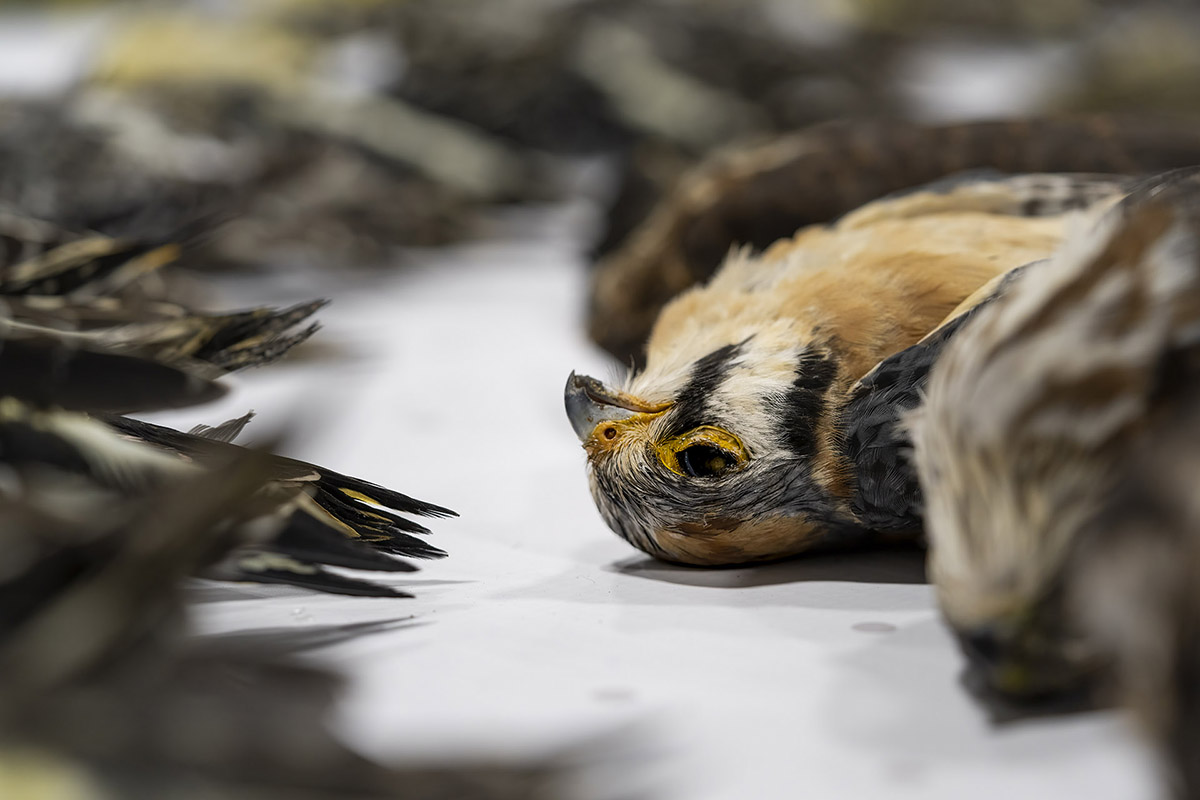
{"x":47,"y":372}
{"x":888,"y":495}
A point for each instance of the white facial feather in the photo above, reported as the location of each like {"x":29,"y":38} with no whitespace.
{"x":746,"y":312}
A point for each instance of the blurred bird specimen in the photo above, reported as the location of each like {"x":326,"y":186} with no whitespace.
{"x":304,"y":518}
{"x":104,"y":695}
{"x":340,"y":130}
{"x":86,"y":325}
{"x":764,"y":421}
{"x":84,"y":328}
{"x":1033,"y":415}
{"x":758,"y":193}
{"x":104,"y":292}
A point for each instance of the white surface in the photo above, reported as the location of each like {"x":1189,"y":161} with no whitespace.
{"x":542,"y":627}
{"x":954,"y":80}
{"x":42,"y":54}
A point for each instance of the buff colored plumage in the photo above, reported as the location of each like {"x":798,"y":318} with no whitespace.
{"x":751,"y":434}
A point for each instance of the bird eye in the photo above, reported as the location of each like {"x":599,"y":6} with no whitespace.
{"x":704,"y":461}
{"x":704,"y":452}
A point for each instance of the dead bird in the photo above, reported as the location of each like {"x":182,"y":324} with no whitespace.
{"x":765,"y":422}
{"x":760,"y":193}
{"x":1031,"y":415}
{"x":142,"y":162}
{"x":56,"y":282}
{"x":361,"y":510}
{"x":104,"y":694}
{"x":81,"y":331}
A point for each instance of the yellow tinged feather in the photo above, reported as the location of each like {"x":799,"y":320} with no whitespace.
{"x":30,"y":774}
{"x":198,"y":49}
{"x":312,"y":507}
{"x":360,"y":496}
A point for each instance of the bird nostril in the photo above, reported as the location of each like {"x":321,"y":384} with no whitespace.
{"x":610,"y":432}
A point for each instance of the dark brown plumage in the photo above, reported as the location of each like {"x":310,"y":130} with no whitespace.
{"x":304,"y":519}
{"x":758,"y":194}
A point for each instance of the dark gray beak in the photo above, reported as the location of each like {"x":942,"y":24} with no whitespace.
{"x":589,"y":403}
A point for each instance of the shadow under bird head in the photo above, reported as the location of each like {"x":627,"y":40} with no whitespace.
{"x":1030,"y":414}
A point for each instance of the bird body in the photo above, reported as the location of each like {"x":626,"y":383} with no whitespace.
{"x":766,"y":190}
{"x":1031,"y":414}
{"x":729,"y":445}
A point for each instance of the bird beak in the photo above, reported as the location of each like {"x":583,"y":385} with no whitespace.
{"x":589,"y":403}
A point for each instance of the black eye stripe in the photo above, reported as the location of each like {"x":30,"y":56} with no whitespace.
{"x":805,"y":402}
{"x":707,"y":374}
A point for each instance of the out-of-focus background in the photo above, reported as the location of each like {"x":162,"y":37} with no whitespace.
{"x":335,"y":132}
{"x":447,"y":172}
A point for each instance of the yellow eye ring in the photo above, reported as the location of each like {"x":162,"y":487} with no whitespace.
{"x":704,"y":452}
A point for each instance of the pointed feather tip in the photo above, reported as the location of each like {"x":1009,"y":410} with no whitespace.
{"x":320,"y":580}
{"x":370,"y":494}
{"x":431,"y":510}
{"x":424,"y":509}
{"x":303,"y":335}
{"x":226,"y":431}
{"x":408,"y":550}
{"x":307,"y":309}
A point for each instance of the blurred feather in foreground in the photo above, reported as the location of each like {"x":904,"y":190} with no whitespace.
{"x":1135,"y":588}
{"x":84,"y":328}
{"x":104,"y":696}
{"x":1030,"y":418}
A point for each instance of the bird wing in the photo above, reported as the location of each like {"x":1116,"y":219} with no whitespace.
{"x":227,"y":342}
{"x":293,"y":525}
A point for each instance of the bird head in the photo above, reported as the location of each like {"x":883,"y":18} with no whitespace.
{"x":718,"y":458}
